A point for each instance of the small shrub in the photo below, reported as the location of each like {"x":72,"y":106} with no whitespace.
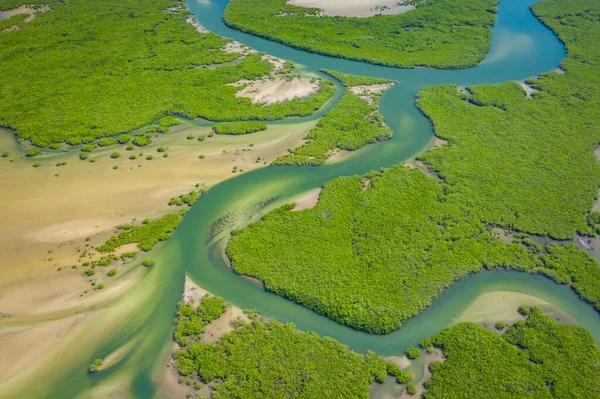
{"x":100,"y":286}
{"x":161,"y":149}
{"x":413,"y":353}
{"x":107,"y":141}
{"x":190,"y":136}
{"x":5,"y":154}
{"x":32,"y":152}
{"x":87,"y":148}
{"x":115,"y":155}
{"x":147,"y":263}
{"x":411,"y":389}
{"x":124,"y":139}
{"x":36,"y":164}
{"x":95,"y":366}
{"x":149,"y":157}
{"x":202,"y":137}
{"x":111,"y":272}
{"x":500,"y":326}
{"x":90,"y":272}
{"x":115,"y":166}
{"x":54,"y":146}
{"x":83,"y":156}
{"x":132,"y":156}
{"x":130,"y":147}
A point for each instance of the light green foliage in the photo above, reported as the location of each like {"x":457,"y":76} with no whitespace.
{"x":142,"y":140}
{"x":372,"y":259}
{"x":107,"y":141}
{"x":83,"y":156}
{"x":275,"y":361}
{"x":90,"y":272}
{"x":124,"y":139}
{"x":115,"y":155}
{"x":441,"y":33}
{"x":36,"y":164}
{"x":145,"y":235}
{"x":411,"y":389}
{"x":413,"y":353}
{"x":95,"y":366}
{"x":32,"y":152}
{"x":352,"y":124}
{"x":331,"y":258}
{"x":239,"y":127}
{"x":356,"y":80}
{"x":147,"y":262}
{"x":16,"y":20}
{"x":96,"y":69}
{"x":537,"y":358}
{"x":111,"y":272}
{"x":189,"y":199}
{"x":88,"y":148}
{"x":500,"y":326}
{"x":190,"y":322}
{"x":5,"y":154}
{"x":531,"y":163}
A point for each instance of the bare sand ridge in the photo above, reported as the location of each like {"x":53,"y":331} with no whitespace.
{"x":359,"y":8}
{"x":274,"y":91}
{"x":308,"y":201}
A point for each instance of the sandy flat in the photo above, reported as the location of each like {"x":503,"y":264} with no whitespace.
{"x":359,"y":8}
{"x":278,"y":90}
{"x":308,"y":200}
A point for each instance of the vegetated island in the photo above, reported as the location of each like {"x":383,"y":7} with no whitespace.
{"x":84,"y":82}
{"x":253,"y":358}
{"x":236,"y":128}
{"x":353,"y":123}
{"x":534,"y":358}
{"x":441,"y":33}
{"x":377,"y":249}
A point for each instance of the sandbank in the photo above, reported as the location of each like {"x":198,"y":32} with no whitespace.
{"x":278,"y":90}
{"x":360,"y":8}
{"x":309,"y":200}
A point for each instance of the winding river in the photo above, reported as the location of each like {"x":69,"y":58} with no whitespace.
{"x":521,"y":48}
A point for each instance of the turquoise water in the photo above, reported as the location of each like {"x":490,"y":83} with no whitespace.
{"x":521,"y":48}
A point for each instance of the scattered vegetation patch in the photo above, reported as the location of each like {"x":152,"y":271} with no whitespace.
{"x":236,"y":128}
{"x":188,"y":199}
{"x":145,"y":235}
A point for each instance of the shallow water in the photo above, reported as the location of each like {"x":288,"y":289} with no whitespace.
{"x":521,"y":48}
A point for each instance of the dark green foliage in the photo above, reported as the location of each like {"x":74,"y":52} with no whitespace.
{"x":5,"y":154}
{"x":356,"y":80}
{"x":190,"y":322}
{"x":32,"y":152}
{"x":97,"y":69}
{"x":145,"y":235}
{"x":90,"y":272}
{"x":275,"y":361}
{"x":377,"y":250}
{"x":83,"y":156}
{"x":537,"y":358}
{"x":352,"y":124}
{"x":413,"y":353}
{"x":239,"y":127}
{"x":426,"y":343}
{"x":111,"y":272}
{"x":411,"y":389}
{"x":442,"y":33}
{"x":500,"y":326}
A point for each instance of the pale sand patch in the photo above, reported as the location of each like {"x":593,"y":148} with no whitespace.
{"x":116,"y":356}
{"x":278,"y":63}
{"x":338,"y":155}
{"x":192,"y":293}
{"x":22,"y":347}
{"x":308,"y":201}
{"x":372,"y":89}
{"x":236,"y":47}
{"x":278,"y":90}
{"x":496,"y":306}
{"x":215,"y":330}
{"x":438,"y":142}
{"x":360,"y":8}
{"x":400,"y":361}
{"x":199,"y":28}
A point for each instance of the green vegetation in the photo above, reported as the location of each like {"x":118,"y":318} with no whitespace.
{"x":239,"y":127}
{"x":536,"y":358}
{"x":102,"y":68}
{"x":147,"y":262}
{"x":5,"y":154}
{"x":111,"y":272}
{"x":413,"y":353}
{"x":36,"y":164}
{"x":189,"y":199}
{"x":142,"y":140}
{"x":352,"y":124}
{"x":106,"y":142}
{"x":124,"y":139}
{"x":190,"y":323}
{"x":356,"y":80}
{"x":95,"y":366}
{"x":270,"y":360}
{"x":500,"y":326}
{"x":145,"y":235}
{"x":16,"y":20}
{"x":376,"y":250}
{"x":115,"y":155}
{"x":441,"y":33}
{"x":32,"y":152}
{"x":411,"y":389}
